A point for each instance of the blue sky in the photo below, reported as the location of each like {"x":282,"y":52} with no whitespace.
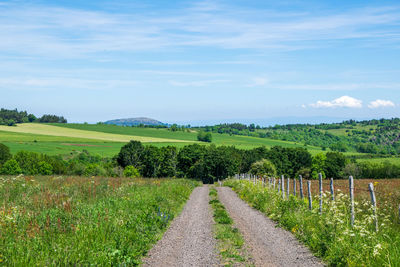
{"x":201,"y":61}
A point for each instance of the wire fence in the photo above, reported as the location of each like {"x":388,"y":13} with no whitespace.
{"x":309,"y":189}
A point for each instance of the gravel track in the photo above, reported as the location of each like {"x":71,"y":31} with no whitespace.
{"x":189,"y":240}
{"x":267,"y":244}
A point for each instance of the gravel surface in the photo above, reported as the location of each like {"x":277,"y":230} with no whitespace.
{"x":267,"y":244}
{"x":189,"y":240}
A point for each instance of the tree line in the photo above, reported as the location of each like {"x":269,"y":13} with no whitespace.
{"x":11,"y":117}
{"x":368,"y":136}
{"x":201,"y":162}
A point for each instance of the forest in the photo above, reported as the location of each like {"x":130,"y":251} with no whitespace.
{"x":12,"y":117}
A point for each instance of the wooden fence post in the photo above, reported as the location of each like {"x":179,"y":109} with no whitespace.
{"x":294,"y":186}
{"x":279,"y":185}
{"x":332,"y":190}
{"x":301,"y":186}
{"x":288,"y":188}
{"x":283,"y":186}
{"x":309,"y":195}
{"x":320,"y":192}
{"x":351,"y":188}
{"x":373,"y":200}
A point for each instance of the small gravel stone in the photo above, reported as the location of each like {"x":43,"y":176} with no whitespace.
{"x":189,"y":240}
{"x":268,"y":244}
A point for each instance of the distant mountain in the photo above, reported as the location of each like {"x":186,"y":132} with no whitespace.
{"x":135,"y":121}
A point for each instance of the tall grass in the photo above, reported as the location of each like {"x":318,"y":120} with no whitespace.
{"x":85,"y":221}
{"x":330,"y":235}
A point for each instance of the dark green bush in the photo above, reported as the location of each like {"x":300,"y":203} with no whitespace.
{"x":11,"y":167}
{"x":4,"y":153}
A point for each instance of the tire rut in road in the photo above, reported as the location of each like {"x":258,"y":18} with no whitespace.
{"x":189,"y":241}
{"x":268,"y":245}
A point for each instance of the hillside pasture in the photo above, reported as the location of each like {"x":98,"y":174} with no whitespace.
{"x":45,"y":129}
{"x":244,"y":142}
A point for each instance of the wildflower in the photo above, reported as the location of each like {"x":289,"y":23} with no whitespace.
{"x":377,"y":248}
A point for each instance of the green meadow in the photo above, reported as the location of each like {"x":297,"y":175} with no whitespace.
{"x":107,"y":140}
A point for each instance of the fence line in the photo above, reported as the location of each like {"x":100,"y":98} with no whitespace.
{"x":281,"y":190}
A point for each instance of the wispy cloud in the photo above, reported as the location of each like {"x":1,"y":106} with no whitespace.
{"x":45,"y":84}
{"x":66,"y":32}
{"x":379,"y":103}
{"x":196,"y":83}
{"x":343,"y":101}
{"x":338,"y":86}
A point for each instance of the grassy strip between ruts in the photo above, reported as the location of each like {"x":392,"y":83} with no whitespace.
{"x":230,"y":241}
{"x":68,"y":221}
{"x":330,"y":235}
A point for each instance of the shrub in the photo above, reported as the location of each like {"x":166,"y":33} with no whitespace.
{"x":263,"y":167}
{"x":11,"y":167}
{"x":204,"y":137}
{"x":131,"y":171}
{"x":334,"y":164}
{"x":4,"y":153}
{"x":45,"y":168}
{"x":131,"y":154}
{"x":94,"y":169}
{"x":28,"y":161}
{"x":304,"y":172}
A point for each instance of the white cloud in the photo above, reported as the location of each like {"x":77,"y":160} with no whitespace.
{"x":381,"y":103}
{"x":343,"y":101}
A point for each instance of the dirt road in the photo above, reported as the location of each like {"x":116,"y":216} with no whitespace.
{"x":268,"y":245}
{"x":189,"y":240}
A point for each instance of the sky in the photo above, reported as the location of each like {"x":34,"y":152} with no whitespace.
{"x":201,"y":62}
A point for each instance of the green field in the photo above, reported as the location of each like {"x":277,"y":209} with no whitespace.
{"x":134,"y":131}
{"x":376,"y":160}
{"x":76,"y":221}
{"x":106,"y":140}
{"x":46,"y":129}
{"x":245,"y":142}
{"x":346,"y":131}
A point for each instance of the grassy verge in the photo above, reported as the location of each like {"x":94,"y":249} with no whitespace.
{"x":330,"y":235}
{"x":230,"y":241}
{"x":67,"y":221}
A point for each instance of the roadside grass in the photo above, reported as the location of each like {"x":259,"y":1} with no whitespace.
{"x":69,"y":221}
{"x":230,"y":241}
{"x":330,"y":235}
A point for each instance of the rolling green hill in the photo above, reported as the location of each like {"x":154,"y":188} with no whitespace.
{"x":107,"y":140}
